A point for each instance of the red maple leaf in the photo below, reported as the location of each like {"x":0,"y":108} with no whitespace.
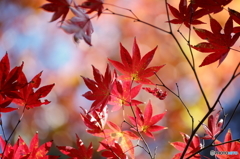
{"x":228,"y":147}
{"x":4,"y":102}
{"x":123,"y":94}
{"x":236,"y":17}
{"x":213,"y":6}
{"x":187,"y":14}
{"x":214,"y":126}
{"x":10,"y":151}
{"x":59,"y":7}
{"x":80,"y":153}
{"x":218,"y":43}
{"x":9,"y":83}
{"x":113,"y":151}
{"x":21,"y":151}
{"x":93,"y":5}
{"x":195,"y":146}
{"x":28,"y":96}
{"x":100,"y":89}
{"x":116,"y":135}
{"x":145,"y":122}
{"x":95,"y":120}
{"x":156,"y":92}
{"x":135,"y":68}
{"x":80,"y":25}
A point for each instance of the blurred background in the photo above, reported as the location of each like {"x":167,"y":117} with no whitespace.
{"x":27,"y":35}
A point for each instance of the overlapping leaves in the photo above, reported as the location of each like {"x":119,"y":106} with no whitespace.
{"x":59,"y":7}
{"x":195,"y":146}
{"x":123,"y":94}
{"x":214,"y":6}
{"x":116,"y":135}
{"x":81,"y":152}
{"x":20,"y":150}
{"x":145,"y":122}
{"x":14,"y":87}
{"x":228,"y":147}
{"x":93,"y":5}
{"x":187,"y":14}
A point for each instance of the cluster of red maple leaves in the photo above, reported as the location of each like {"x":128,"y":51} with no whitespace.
{"x":14,"y":87}
{"x":120,"y":90}
{"x":219,"y":44}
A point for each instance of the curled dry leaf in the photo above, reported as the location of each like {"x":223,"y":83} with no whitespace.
{"x":214,"y":126}
{"x":80,"y":25}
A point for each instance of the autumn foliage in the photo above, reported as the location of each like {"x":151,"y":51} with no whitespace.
{"x":118,"y":87}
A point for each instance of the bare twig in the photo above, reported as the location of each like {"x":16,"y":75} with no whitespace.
{"x":178,"y":96}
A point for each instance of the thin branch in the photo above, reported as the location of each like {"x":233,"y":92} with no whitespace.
{"x":210,"y":111}
{"x":178,"y":96}
{"x":174,"y":37}
{"x":19,"y":121}
{"x":211,"y":144}
{"x":4,"y":136}
{"x":224,"y":114}
{"x":144,"y":141}
{"x":123,"y":9}
{"x":182,"y":35}
{"x":234,"y":49}
{"x":190,"y":64}
{"x":189,"y":36}
{"x":168,"y":17}
{"x":234,"y":111}
{"x":135,"y":20}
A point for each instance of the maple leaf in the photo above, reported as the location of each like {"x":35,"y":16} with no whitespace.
{"x":228,"y":147}
{"x":212,"y":6}
{"x":218,"y":43}
{"x":80,"y":153}
{"x":59,"y":7}
{"x":236,"y":17}
{"x":100,"y":88}
{"x":10,"y":151}
{"x":9,"y":83}
{"x":21,"y":151}
{"x":113,"y":151}
{"x":95,"y":120}
{"x":187,"y":14}
{"x":29,"y":97}
{"x":135,"y":68}
{"x":116,"y":135}
{"x":194,"y":146}
{"x":214,"y":126}
{"x":80,"y":25}
{"x":123,"y":94}
{"x":93,"y":5}
{"x":4,"y":102}
{"x":156,"y":92}
{"x":146,"y":122}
